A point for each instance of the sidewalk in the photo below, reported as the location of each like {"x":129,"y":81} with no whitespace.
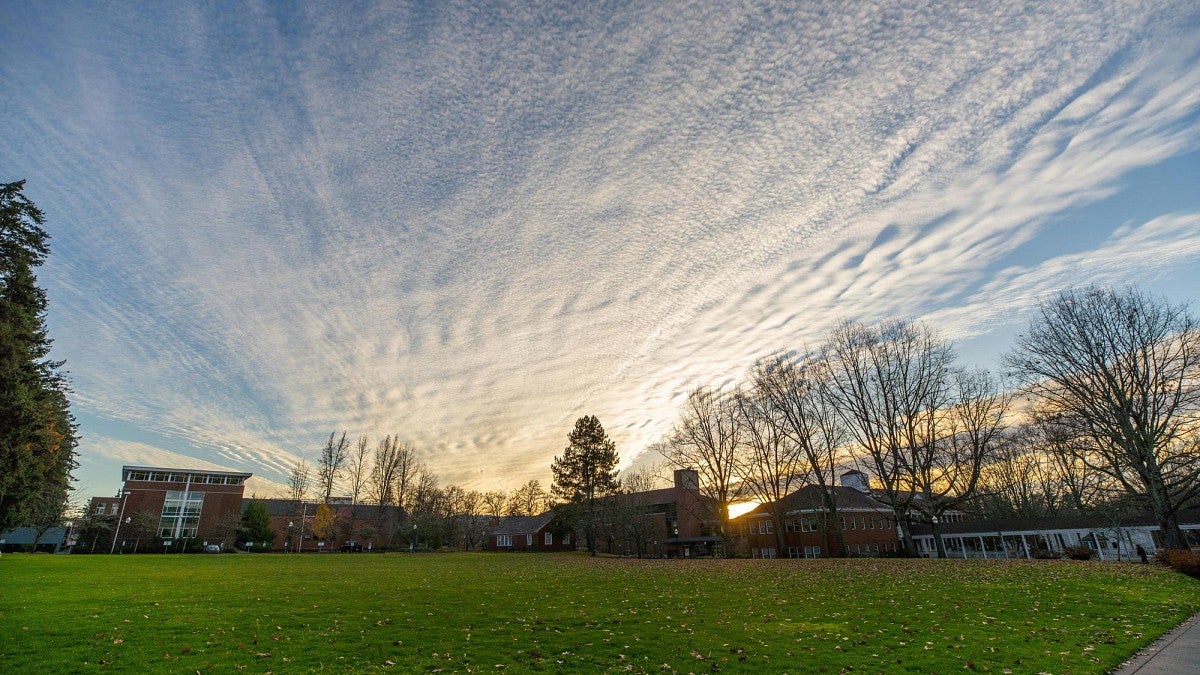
{"x":1176,"y":653}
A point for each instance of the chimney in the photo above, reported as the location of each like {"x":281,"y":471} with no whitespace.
{"x":687,"y":479}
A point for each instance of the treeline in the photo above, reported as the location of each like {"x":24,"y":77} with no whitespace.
{"x":1102,"y":416}
{"x":395,"y":499}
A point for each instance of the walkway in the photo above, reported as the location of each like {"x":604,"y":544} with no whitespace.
{"x":1176,"y":653}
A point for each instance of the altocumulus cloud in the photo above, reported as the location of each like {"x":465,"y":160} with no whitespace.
{"x":470,"y":224}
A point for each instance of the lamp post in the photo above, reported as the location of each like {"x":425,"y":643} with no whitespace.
{"x":288,"y":541}
{"x":412,"y":545}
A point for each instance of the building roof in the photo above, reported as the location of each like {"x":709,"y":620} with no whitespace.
{"x":809,"y":498}
{"x":1072,"y":522}
{"x":522,"y":524}
{"x":125,"y":470}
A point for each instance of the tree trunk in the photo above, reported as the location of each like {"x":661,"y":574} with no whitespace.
{"x":937,"y":538}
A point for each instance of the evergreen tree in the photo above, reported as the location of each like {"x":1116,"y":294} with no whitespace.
{"x":584,"y":473}
{"x":256,"y":525}
{"x":38,"y":433}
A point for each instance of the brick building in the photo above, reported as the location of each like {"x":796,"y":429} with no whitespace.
{"x":172,"y":504}
{"x":868,"y":526}
{"x":531,"y":533}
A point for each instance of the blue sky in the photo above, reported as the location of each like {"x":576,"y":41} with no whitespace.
{"x":471,"y":223}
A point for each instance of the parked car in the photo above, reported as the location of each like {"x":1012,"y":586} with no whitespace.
{"x":212,"y":548}
{"x":352,"y":547}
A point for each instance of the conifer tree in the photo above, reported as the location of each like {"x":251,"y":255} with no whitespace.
{"x":38,"y":433}
{"x":256,"y":525}
{"x":584,"y":473}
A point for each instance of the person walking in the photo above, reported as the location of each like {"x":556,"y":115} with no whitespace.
{"x":1142,"y":554}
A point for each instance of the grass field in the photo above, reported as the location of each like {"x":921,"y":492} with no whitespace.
{"x":473,"y":612}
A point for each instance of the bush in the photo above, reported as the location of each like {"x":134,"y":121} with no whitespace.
{"x":1079,"y":553}
{"x":1045,"y":554}
{"x":1185,"y":562}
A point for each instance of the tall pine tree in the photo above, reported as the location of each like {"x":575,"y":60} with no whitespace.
{"x":585,"y":473}
{"x":37,"y":431}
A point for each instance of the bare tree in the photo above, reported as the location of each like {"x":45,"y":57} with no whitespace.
{"x":358,"y":469}
{"x":1122,"y":368}
{"x":474,"y":519}
{"x":770,"y":463}
{"x":494,"y":505}
{"x":889,"y":383}
{"x":381,"y":486}
{"x":528,"y":500}
{"x":298,"y":482}
{"x":706,"y":438}
{"x":965,"y":436}
{"x":330,"y":464}
{"x":796,"y":388}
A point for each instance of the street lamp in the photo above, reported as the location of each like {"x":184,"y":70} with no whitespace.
{"x":288,"y":541}
{"x":412,"y":545}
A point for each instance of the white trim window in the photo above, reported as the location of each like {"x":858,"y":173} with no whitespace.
{"x":529,"y":540}
{"x":504,"y":541}
{"x":548,"y":539}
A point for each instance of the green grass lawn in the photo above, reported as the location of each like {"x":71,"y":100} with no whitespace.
{"x":522,"y":612}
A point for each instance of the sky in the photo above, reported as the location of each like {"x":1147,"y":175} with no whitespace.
{"x":471,"y":223}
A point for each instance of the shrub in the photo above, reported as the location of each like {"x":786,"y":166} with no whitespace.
{"x":1186,"y":562}
{"x":1080,"y":553}
{"x":1045,"y":554}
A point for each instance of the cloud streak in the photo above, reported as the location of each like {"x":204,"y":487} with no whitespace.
{"x":472,"y":225}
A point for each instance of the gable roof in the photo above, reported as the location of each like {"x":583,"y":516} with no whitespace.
{"x":809,"y":498}
{"x":517,"y":525}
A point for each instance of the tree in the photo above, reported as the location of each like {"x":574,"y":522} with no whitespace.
{"x":706,"y":438}
{"x":1120,"y":371}
{"x":141,"y":525}
{"x":925,"y":428}
{"x":323,"y":521}
{"x":39,"y":434}
{"x":298,"y":482}
{"x":256,"y":525}
{"x":330,"y":464}
{"x":528,"y":500}
{"x":358,"y":469}
{"x":771,"y":463}
{"x":797,"y":391}
{"x":227,"y":529}
{"x":585,"y":472}
{"x":475,"y":520}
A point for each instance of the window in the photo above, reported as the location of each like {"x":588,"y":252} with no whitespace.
{"x":548,"y":539}
{"x":795,"y":552}
{"x":789,"y":525}
{"x":852,"y":522}
{"x":808,"y":525}
{"x":99,"y":509}
{"x":843,"y":519}
{"x":504,"y":541}
{"x":768,"y":552}
{"x":180,"y":514}
{"x":770,"y":528}
{"x":871,"y":523}
{"x":857,"y":549}
{"x":529,"y":540}
{"x":762,"y":527}
{"x":812,"y":551}
{"x":862,"y":522}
